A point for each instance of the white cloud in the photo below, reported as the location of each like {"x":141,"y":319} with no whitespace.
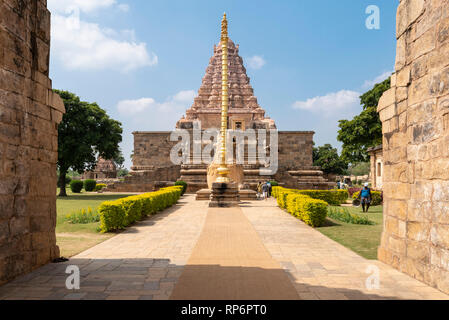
{"x":174,"y":107}
{"x":67,"y":6}
{"x":256,"y":62}
{"x":330,"y":103}
{"x":81,"y":45}
{"x":370,"y":83}
{"x":135,"y":106}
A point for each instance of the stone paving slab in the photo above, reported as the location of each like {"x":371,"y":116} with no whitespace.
{"x":322,"y":268}
{"x":143,"y":262}
{"x":230,"y":262}
{"x":258,"y":245}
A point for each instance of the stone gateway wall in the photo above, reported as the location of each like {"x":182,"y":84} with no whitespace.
{"x":29,"y":116}
{"x":415,"y":116}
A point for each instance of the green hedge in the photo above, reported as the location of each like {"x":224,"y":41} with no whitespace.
{"x":332,"y":197}
{"x":312,"y":211}
{"x":76,"y":186}
{"x":118,"y":214}
{"x":89,"y":185}
{"x":376,"y":197}
{"x":183,"y":184}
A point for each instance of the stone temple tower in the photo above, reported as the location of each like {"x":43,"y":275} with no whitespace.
{"x":244,"y":110}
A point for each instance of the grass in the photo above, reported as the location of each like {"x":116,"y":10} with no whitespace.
{"x":362,"y":239}
{"x":75,"y":238}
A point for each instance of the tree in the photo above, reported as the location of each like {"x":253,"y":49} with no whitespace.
{"x":86,"y":131}
{"x":365,"y":130}
{"x":123,"y":172}
{"x":119,"y":160}
{"x":328,"y":159}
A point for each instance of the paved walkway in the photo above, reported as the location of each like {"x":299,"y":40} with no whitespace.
{"x":191,"y":251}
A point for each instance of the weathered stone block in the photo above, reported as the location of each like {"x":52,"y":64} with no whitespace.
{"x":408,"y":12}
{"x":439,"y":236}
{"x":418,"y":231}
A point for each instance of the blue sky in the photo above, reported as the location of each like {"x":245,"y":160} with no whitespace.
{"x":143,"y":61}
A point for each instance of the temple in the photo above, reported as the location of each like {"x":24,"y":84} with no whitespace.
{"x":152,"y":167}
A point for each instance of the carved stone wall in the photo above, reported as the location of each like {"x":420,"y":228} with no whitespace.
{"x":29,"y":116}
{"x":415,"y":116}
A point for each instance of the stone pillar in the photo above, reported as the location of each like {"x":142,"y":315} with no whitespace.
{"x":415,"y":117}
{"x":29,"y":116}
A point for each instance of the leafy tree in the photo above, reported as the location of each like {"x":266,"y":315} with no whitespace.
{"x":365,"y":130}
{"x":85,"y":132}
{"x":122,"y":172}
{"x":328,"y":159}
{"x":360,"y":169}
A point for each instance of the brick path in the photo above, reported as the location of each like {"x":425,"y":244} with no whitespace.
{"x":240,"y":252}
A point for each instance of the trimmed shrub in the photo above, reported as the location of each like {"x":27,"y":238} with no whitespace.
{"x":76,"y":186}
{"x":344,"y":215}
{"x":117,"y":215}
{"x":100,"y":186}
{"x":353,"y":190}
{"x":183,"y":184}
{"x":377,"y":198}
{"x":312,"y":211}
{"x":274,"y":183}
{"x":332,"y":197}
{"x":89,"y":185}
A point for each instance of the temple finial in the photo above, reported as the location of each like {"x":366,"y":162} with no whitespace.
{"x":224,"y":28}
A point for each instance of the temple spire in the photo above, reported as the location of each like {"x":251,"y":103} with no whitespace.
{"x":223,"y":170}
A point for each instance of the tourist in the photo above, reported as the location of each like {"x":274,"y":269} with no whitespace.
{"x":265,"y":191}
{"x":338,"y":185}
{"x":270,"y":188}
{"x":259,"y":190}
{"x":365,"y":197}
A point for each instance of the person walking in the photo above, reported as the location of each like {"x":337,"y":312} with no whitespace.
{"x":265,"y":191}
{"x":270,"y":189}
{"x":365,"y":197}
{"x":259,"y":190}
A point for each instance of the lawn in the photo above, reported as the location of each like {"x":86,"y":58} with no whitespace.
{"x":362,"y":239}
{"x":75,"y":238}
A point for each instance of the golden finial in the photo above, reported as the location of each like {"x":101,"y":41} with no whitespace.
{"x":224,"y":27}
{"x":223,"y":170}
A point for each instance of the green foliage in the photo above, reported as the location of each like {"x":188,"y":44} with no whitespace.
{"x":117,"y":215}
{"x":183,"y":184}
{"x":122,"y":172}
{"x":376,"y":197}
{"x":360,"y":169}
{"x":83,"y":216}
{"x":100,"y":186}
{"x":274,"y":183}
{"x":328,"y":159}
{"x":365,"y":130}
{"x":312,"y":211}
{"x":86,"y":131}
{"x":343,"y":215}
{"x":332,"y":197}
{"x":76,"y":186}
{"x":89,"y":185}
